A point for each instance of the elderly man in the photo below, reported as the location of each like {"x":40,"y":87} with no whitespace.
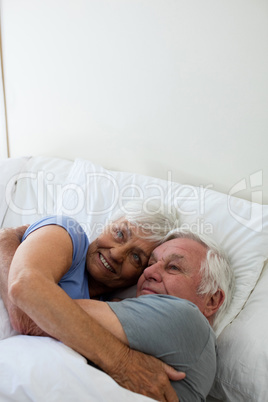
{"x":186,"y":276}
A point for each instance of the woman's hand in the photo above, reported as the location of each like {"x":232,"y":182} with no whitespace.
{"x":146,"y":375}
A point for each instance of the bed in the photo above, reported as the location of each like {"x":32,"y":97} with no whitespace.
{"x":37,"y":186}
{"x":105,"y":101}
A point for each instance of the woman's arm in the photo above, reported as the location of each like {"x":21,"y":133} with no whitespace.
{"x":103,"y":314}
{"x":43,"y":258}
{"x":10,"y":239}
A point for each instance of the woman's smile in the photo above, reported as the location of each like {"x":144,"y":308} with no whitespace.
{"x":106,"y":264}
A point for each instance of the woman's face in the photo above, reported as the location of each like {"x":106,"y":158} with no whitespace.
{"x":118,"y":256}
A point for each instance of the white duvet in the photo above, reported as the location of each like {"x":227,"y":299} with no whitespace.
{"x":44,"y":370}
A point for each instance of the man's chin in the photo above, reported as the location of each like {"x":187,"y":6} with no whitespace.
{"x":144,"y":292}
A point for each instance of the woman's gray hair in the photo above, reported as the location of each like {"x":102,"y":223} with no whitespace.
{"x":154,"y":220}
{"x":215,"y":270}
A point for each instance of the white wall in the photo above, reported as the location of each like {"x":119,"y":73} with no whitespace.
{"x":151,"y":86}
{"x":3,"y":128}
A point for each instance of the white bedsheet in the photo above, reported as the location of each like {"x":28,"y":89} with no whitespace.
{"x":36,"y":369}
{"x":43,"y":369}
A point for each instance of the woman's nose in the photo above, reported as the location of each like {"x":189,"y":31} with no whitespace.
{"x":118,"y":253}
{"x":153,"y":272}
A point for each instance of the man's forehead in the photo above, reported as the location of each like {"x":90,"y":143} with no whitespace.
{"x":180,"y":247}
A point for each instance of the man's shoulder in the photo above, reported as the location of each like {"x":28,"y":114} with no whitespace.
{"x":176,"y":304}
{"x":180,"y":315}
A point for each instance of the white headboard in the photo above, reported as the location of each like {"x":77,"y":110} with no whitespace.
{"x":170,"y":88}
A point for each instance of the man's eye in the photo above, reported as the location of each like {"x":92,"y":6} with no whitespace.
{"x":174,"y":268}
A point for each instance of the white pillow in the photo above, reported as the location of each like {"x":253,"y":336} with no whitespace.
{"x":9,"y":170}
{"x":38,"y":183}
{"x":243,"y":351}
{"x":92,"y":193}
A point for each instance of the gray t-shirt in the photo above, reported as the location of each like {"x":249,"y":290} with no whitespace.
{"x":175,"y":331}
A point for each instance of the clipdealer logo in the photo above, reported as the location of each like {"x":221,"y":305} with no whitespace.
{"x":51,"y":197}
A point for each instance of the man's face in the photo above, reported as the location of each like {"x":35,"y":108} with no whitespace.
{"x":174,"y":269}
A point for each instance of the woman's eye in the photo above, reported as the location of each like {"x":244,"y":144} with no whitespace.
{"x":136,"y":258}
{"x":119,"y":234}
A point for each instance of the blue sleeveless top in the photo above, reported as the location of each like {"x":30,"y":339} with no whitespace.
{"x":75,"y":281}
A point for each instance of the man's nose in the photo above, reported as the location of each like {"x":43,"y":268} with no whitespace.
{"x":153,"y":272}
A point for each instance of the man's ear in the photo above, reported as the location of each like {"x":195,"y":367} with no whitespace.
{"x":213,"y":303}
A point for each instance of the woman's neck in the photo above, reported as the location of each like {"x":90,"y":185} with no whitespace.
{"x":96,"y":289}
